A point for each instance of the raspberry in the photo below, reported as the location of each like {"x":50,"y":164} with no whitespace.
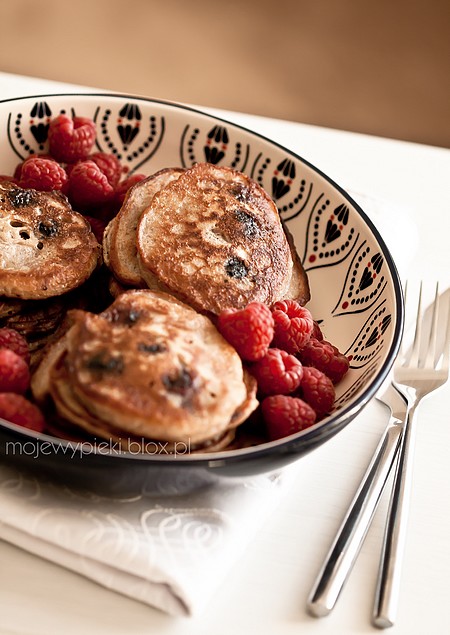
{"x":277,"y":373}
{"x":317,"y":390}
{"x":44,"y":175}
{"x":9,"y":179}
{"x":285,"y":415}
{"x":14,"y":341}
{"x":17,"y":409}
{"x":88,"y":186}
{"x":317,"y":332}
{"x":98,"y":227}
{"x":293,"y":325}
{"x":249,"y":330}
{"x":14,"y":372}
{"x":325,"y":357}
{"x":109,"y":165}
{"x":124,"y":186}
{"x":18,"y":169}
{"x":107,"y":211}
{"x":69,"y":167}
{"x":71,"y":139}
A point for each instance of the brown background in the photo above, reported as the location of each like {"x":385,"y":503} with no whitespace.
{"x":379,"y":67}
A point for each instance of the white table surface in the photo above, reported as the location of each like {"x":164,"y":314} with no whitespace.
{"x":267,"y":590}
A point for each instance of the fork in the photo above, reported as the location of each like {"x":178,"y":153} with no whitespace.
{"x":416,"y":376}
{"x":349,"y":539}
{"x":347,"y":544}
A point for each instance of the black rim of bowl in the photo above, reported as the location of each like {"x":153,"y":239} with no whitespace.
{"x":301,"y":440}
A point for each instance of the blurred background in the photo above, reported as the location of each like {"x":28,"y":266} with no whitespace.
{"x":372,"y":67}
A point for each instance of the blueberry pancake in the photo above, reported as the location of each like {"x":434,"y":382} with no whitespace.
{"x":149,"y":366}
{"x":46,"y":249}
{"x":119,"y":242}
{"x":75,"y":421}
{"x":215,"y":238}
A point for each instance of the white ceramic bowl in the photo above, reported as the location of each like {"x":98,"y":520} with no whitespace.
{"x":356,"y":293}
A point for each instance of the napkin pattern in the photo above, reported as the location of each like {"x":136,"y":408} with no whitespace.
{"x":167,"y":551}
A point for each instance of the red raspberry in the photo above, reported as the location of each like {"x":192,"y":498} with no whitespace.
{"x":249,"y":330}
{"x":98,"y":227}
{"x":277,"y":373}
{"x":17,"y":409}
{"x":71,"y":139}
{"x":285,"y":415}
{"x":108,"y":211}
{"x":88,"y":186}
{"x":8,"y":179}
{"x":317,"y":332}
{"x":109,"y":165}
{"x":70,"y":166}
{"x":44,"y":175}
{"x":325,"y":357}
{"x":18,"y":169}
{"x":14,"y":341}
{"x":318,"y":390}
{"x":14,"y":372}
{"x":293,"y":325}
{"x":124,"y":186}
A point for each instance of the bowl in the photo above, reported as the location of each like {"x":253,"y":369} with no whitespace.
{"x":355,"y":288}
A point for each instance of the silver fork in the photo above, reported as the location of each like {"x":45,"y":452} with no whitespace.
{"x":349,"y":539}
{"x":419,"y":374}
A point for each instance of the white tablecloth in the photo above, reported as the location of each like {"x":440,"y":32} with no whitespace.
{"x":266,"y":591}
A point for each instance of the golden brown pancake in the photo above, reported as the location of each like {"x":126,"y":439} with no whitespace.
{"x":46,"y":249}
{"x":215,"y":238}
{"x":119,"y":241}
{"x":149,"y":366}
{"x":299,"y":284}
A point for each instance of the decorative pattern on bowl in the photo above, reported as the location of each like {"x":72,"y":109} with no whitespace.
{"x":356,"y":295}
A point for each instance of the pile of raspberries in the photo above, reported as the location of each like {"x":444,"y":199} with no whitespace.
{"x":94,"y":182}
{"x":296,"y":369}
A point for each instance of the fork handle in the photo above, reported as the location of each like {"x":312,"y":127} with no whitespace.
{"x":389,"y":574}
{"x":348,"y":541}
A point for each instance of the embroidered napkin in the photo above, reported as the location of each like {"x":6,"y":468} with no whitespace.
{"x":165,"y":550}
{"x":169,"y":551}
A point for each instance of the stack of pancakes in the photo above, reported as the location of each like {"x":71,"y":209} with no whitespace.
{"x":152,"y":366}
{"x":46,"y":252}
{"x":209,"y":235}
{"x":147,"y":368}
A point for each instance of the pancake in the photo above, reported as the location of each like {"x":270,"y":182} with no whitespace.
{"x":215,"y":238}
{"x":46,"y":249}
{"x":149,"y":366}
{"x":298,"y":285}
{"x":119,"y":241}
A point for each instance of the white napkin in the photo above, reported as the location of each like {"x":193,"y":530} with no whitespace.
{"x":169,"y":551}
{"x":165,"y":550}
